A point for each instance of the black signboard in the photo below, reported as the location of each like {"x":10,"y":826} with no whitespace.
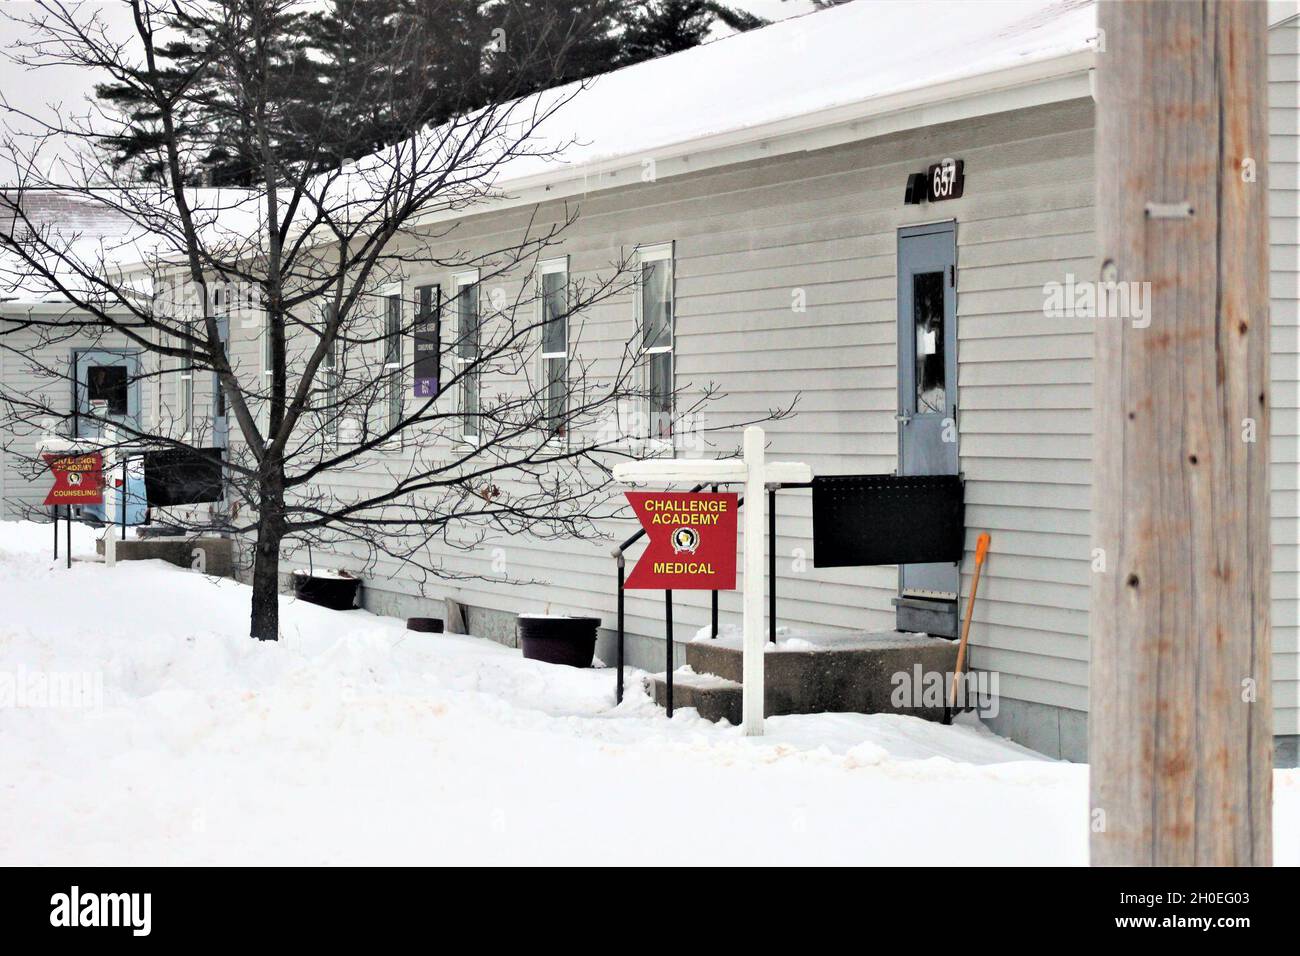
{"x":183,"y":476}
{"x":887,"y":519}
{"x":428,"y":344}
{"x":945,"y":180}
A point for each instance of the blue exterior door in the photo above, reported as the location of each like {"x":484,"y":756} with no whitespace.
{"x":927,"y":376}
{"x":106,"y":391}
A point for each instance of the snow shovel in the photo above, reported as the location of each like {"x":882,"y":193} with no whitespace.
{"x":981,"y":552}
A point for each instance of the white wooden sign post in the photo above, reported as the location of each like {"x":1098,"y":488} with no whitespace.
{"x":755,"y":473}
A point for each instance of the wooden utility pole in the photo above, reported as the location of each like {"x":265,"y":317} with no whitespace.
{"x":1181,"y":722}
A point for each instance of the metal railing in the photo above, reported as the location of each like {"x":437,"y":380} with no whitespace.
{"x":619,"y":556}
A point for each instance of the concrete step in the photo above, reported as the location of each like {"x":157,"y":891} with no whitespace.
{"x":218,"y":553}
{"x":844,"y":672}
{"x":713,"y":697}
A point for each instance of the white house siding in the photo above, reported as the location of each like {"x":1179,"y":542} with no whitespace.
{"x":1284,"y":291}
{"x":747,"y":237}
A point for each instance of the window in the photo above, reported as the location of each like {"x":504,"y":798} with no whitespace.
{"x":655,"y":305}
{"x":553,"y":294}
{"x":331,"y":413}
{"x":186,"y":386}
{"x":392,"y":356}
{"x":268,"y":356}
{"x":106,"y":387}
{"x":927,"y":317}
{"x":465,"y":285}
{"x":426,"y":363}
{"x":156,"y":366}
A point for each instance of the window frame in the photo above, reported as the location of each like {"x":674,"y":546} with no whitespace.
{"x":460,"y":281}
{"x":646,"y":253}
{"x":556,"y":266}
{"x":185,"y":386}
{"x":392,"y":370}
{"x":332,"y":428}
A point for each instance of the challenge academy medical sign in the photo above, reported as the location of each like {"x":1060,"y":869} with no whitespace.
{"x":78,"y":479}
{"x":692,"y":541}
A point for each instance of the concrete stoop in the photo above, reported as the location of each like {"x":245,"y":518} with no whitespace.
{"x":218,"y":553}
{"x":852,"y":673}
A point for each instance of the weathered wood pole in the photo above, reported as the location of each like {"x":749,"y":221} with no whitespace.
{"x":1181,"y":711}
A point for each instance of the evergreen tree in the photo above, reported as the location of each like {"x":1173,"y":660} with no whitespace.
{"x":194,"y":71}
{"x":660,"y":27}
{"x":442,"y":58}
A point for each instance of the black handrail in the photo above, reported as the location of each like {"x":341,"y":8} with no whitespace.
{"x":772,"y":489}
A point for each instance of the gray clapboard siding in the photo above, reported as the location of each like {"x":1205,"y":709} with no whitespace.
{"x":826,"y":222}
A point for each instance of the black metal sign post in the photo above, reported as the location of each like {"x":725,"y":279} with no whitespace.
{"x":68,"y":542}
{"x":771,"y":563}
{"x":618,"y":698}
{"x":668,"y":639}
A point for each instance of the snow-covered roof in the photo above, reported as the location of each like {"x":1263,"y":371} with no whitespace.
{"x":59,"y":218}
{"x":104,"y":233}
{"x":809,"y":65}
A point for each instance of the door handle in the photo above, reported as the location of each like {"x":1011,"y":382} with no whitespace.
{"x":903,"y":417}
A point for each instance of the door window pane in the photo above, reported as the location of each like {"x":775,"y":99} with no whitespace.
{"x":927,"y":312}
{"x":107,"y":384}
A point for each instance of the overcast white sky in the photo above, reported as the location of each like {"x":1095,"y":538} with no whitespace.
{"x":33,"y":91}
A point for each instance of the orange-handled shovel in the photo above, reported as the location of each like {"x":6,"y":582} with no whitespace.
{"x":981,"y":552}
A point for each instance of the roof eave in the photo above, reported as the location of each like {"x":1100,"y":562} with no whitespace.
{"x":1055,"y":79}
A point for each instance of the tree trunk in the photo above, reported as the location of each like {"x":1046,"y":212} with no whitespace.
{"x":265,"y":625}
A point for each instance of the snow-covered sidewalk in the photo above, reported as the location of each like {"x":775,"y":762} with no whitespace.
{"x":353,"y":740}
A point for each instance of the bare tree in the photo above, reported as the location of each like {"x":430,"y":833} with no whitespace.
{"x":305,"y":263}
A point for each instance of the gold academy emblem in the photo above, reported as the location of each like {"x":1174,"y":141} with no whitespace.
{"x":685,"y":539}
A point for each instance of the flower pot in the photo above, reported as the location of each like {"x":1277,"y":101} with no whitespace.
{"x":336,"y":590}
{"x":558,"y":640}
{"x":424,"y":625}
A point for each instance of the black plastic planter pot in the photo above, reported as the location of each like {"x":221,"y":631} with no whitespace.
{"x":334,"y":592}
{"x":559,"y":640}
{"x":424,"y":625}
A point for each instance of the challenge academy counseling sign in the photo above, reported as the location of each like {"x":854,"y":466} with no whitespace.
{"x":692,"y":541}
{"x":78,"y":479}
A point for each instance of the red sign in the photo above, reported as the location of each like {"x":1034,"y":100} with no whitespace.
{"x":78,"y":479}
{"x":692,"y":541}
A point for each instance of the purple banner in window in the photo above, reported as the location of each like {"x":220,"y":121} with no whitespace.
{"x":428,"y":345}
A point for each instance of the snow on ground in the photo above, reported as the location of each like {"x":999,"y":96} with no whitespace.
{"x":355,"y":741}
